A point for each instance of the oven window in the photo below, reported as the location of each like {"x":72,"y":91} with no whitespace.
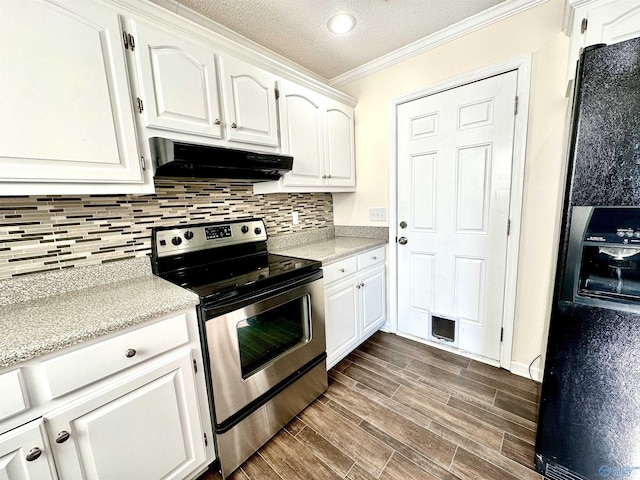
{"x":270,"y":334}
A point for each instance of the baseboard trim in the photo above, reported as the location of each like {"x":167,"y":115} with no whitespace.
{"x":522,"y":369}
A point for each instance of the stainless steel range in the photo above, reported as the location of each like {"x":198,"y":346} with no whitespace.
{"x":262,"y":326}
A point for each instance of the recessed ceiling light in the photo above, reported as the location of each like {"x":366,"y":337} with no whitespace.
{"x":341,"y":23}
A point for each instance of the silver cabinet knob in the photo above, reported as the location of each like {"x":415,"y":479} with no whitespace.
{"x":403,"y":240}
{"x":324,"y":176}
{"x":403,"y":224}
{"x":328,"y":176}
{"x":62,"y":437}
{"x":33,"y":454}
{"x":342,"y":270}
{"x":217,"y":121}
{"x":233,"y":125}
{"x":358,"y":286}
{"x":131,"y":352}
{"x":374,"y":257}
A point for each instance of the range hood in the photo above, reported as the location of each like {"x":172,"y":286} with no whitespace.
{"x":174,"y":159}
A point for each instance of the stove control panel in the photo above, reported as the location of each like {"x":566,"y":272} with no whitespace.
{"x":191,"y":238}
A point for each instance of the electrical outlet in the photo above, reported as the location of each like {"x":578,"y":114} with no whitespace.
{"x":378,"y":214}
{"x":295,"y":218}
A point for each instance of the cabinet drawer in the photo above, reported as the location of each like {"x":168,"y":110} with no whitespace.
{"x":13,"y":399}
{"x":372,"y":257}
{"x":340,"y":269}
{"x":76,"y":369}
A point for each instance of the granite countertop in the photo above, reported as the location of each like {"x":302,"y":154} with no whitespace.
{"x":33,"y":325}
{"x":332,"y":249}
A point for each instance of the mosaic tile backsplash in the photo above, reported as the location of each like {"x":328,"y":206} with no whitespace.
{"x":40,"y":233}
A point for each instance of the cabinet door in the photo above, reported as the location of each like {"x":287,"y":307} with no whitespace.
{"x":374,"y":306}
{"x":301,"y":115}
{"x":250,"y":103}
{"x":340,"y":153}
{"x":341,"y":319}
{"x":66,"y":113}
{"x":19,"y":459}
{"x":179,"y":82}
{"x":613,"y":22}
{"x":145,"y":427}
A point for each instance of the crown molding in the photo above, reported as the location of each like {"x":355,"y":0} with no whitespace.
{"x":494,"y":14}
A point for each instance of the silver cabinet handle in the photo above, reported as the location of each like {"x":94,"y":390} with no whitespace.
{"x":217,"y":121}
{"x":131,"y":352}
{"x":33,"y":454}
{"x":62,"y":437}
{"x":233,"y":125}
{"x":403,"y":240}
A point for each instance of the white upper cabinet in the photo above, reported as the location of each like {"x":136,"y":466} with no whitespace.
{"x":340,"y":159}
{"x":178,"y":82}
{"x":301,"y":124}
{"x":600,"y":21}
{"x":319,"y":133}
{"x":66,"y":116}
{"x":249,"y":95}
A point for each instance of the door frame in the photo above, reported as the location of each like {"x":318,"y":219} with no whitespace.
{"x":522,"y":65}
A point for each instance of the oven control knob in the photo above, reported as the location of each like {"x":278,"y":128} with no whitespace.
{"x":176,"y":241}
{"x":257,"y":230}
{"x":188,"y":234}
{"x":244,"y":229}
{"x":636,"y":234}
{"x":620,"y":233}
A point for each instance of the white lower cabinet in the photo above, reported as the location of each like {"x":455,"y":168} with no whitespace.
{"x":149,"y":423}
{"x":134,"y":405}
{"x":25,"y":455}
{"x":355,"y":302}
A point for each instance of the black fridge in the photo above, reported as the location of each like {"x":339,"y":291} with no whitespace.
{"x":589,"y":420}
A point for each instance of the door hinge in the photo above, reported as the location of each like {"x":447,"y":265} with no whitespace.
{"x":139,"y":105}
{"x":584,"y":25}
{"x":501,"y":334}
{"x":142,"y":164}
{"x":515,"y":106}
{"x":129,"y":41}
{"x":206,"y":440}
{"x":195,"y":367}
{"x":277,"y":93}
{"x":508,"y":227}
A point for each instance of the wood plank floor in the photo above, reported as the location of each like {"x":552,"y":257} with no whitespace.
{"x":398,"y":409}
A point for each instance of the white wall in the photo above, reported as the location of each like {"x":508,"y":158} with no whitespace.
{"x":536,"y":31}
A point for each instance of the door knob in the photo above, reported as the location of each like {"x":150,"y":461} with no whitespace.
{"x":403,"y":224}
{"x":33,"y":454}
{"x":402,"y":240}
{"x":62,"y":437}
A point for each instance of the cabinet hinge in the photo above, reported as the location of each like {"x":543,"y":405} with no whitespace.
{"x":508,"y":227}
{"x":515,"y":106}
{"x":584,"y":25}
{"x":142,"y":164}
{"x":139,"y":105}
{"x":195,"y":367}
{"x":277,"y":93}
{"x":129,"y":41}
{"x":206,"y":440}
{"x":501,"y":334}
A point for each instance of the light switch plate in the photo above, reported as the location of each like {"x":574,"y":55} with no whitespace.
{"x":378,"y":214}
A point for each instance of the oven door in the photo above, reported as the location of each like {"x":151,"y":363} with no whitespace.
{"x":257,"y":346}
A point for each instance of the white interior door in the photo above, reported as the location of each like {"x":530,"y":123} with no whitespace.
{"x":455,"y":152}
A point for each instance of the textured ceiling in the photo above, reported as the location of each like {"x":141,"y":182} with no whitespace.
{"x":297,"y":29}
